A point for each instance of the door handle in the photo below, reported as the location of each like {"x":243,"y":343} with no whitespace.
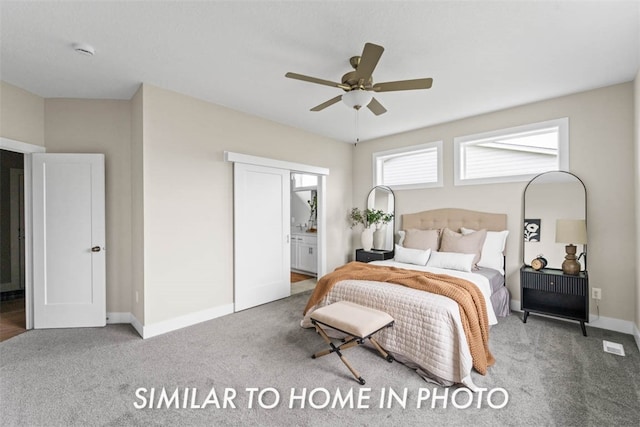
{"x":95,"y":249}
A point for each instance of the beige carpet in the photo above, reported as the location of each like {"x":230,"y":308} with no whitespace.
{"x":95,"y":376}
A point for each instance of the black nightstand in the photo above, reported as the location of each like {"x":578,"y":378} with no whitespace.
{"x":373,"y":255}
{"x":549,"y":291}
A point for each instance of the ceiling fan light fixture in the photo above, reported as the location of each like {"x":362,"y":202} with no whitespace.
{"x":357,"y":98}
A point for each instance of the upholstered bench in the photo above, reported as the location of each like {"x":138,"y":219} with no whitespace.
{"x":357,"y":322}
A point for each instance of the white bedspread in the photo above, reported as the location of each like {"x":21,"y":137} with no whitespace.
{"x":479,"y":280}
{"x":428,"y":333}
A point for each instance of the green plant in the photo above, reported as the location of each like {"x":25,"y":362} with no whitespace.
{"x":313,"y":205}
{"x":369,"y":217}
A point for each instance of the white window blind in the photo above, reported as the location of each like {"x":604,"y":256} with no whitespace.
{"x":411,"y":167}
{"x":512,"y":154}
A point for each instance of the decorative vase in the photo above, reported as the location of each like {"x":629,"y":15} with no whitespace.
{"x":379,"y":238}
{"x":570,"y":265}
{"x":367,"y":238}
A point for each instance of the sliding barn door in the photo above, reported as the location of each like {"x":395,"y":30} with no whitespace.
{"x":261,"y":229}
{"x":69,"y":281}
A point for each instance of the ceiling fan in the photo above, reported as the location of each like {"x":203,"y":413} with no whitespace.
{"x":358,"y":84}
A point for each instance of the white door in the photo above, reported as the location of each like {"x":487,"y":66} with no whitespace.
{"x":69,"y":285}
{"x":261,"y":229}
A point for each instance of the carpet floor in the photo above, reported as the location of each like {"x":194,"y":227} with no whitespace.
{"x":551,"y":374}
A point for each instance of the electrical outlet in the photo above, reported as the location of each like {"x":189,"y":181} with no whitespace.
{"x":136,"y":296}
{"x":596,"y":293}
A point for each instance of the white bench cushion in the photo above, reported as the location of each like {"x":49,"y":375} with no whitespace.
{"x":352,"y":318}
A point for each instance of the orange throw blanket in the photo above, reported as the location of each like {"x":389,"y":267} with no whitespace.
{"x":473,"y":311}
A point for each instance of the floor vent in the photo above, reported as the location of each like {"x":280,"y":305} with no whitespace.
{"x":613,"y":347}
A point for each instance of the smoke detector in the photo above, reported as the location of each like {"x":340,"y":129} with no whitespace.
{"x":84,"y":49}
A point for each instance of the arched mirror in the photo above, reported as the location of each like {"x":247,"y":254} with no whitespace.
{"x":382,"y":200}
{"x":555,"y":218}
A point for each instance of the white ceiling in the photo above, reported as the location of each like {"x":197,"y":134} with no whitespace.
{"x":483,"y":55}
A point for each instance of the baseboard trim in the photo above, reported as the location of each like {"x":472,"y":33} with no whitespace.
{"x":171,"y":324}
{"x":600,"y":322}
{"x":115,"y":318}
{"x":636,"y":335}
{"x":180,"y":322}
{"x":137,"y":325}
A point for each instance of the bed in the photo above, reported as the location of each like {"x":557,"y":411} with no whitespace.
{"x":428,"y":335}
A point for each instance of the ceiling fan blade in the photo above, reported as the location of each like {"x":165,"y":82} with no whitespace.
{"x":403,"y":85}
{"x":327,"y":103}
{"x":368,"y":60}
{"x":375,"y":107}
{"x":316,"y":80}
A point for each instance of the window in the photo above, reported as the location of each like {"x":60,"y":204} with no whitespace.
{"x":303,"y":181}
{"x":410,"y":167}
{"x":514,"y":154}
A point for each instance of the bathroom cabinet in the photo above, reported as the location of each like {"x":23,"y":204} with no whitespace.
{"x":304,"y":252}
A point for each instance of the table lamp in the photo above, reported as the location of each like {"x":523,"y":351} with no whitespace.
{"x":571,"y":231}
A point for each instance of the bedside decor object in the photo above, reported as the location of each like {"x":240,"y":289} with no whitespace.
{"x":532,"y":230}
{"x":571,"y":231}
{"x":377,"y":220}
{"x":381,"y":200}
{"x":364,"y":218}
{"x":366,"y":238}
{"x":539,"y":263}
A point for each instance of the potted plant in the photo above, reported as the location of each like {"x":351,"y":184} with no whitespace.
{"x":370,"y":219}
{"x":313,"y":215}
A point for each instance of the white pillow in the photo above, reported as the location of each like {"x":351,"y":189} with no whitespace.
{"x":451,"y":260}
{"x":492,"y":255}
{"x":411,"y":256}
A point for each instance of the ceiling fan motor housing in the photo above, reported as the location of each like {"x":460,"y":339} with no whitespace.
{"x":351,"y":79}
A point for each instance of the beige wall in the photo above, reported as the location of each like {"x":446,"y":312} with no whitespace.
{"x":169,"y":192}
{"x":102,"y":126}
{"x":601,"y":131}
{"x":637,"y":200}
{"x":188,"y":196}
{"x":21,"y":115}
{"x":137,"y":207}
{"x":601,"y":147}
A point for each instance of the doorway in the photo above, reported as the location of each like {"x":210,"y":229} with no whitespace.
{"x":26,"y":151}
{"x":321,"y":173}
{"x":304,"y":231}
{"x":12,"y":245}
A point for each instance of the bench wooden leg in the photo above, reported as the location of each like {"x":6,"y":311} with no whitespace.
{"x":381,"y":350}
{"x":336,"y":349}
{"x":353,"y":371}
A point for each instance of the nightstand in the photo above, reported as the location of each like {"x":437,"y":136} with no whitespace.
{"x":549,"y":291}
{"x":373,"y":255}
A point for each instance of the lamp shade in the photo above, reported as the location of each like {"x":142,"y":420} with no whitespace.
{"x":571,"y":231}
{"x":357,"y":98}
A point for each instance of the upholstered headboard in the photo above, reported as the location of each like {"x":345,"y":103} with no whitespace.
{"x":453,"y":219}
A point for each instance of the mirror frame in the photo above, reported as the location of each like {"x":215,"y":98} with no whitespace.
{"x":392,"y":223}
{"x":524,"y":210}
